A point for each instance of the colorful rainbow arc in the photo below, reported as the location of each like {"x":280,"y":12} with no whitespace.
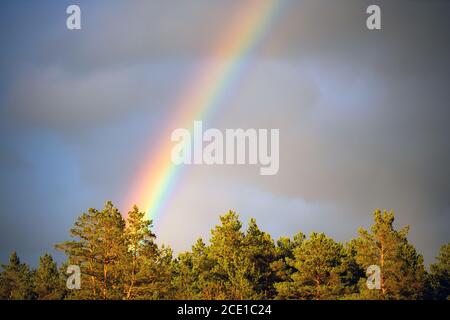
{"x":224,"y":65}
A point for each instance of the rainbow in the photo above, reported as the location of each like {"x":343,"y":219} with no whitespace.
{"x":225,"y":64}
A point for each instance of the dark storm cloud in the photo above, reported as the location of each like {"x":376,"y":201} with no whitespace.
{"x":64,"y":101}
{"x":362,"y":114}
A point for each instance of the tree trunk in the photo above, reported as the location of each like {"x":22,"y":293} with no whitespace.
{"x":382,"y":284}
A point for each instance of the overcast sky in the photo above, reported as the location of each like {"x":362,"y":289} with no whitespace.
{"x":363,"y":117}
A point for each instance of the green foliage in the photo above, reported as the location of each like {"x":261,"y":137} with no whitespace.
{"x":119,"y":259}
{"x":140,"y":257}
{"x":318,"y":264}
{"x":48,"y":283}
{"x":440,"y":274}
{"x":261,"y":251}
{"x":98,"y":247}
{"x":236,"y":264}
{"x":403,"y":274}
{"x":16,"y":280}
{"x":194,"y":277}
{"x":283,"y":251}
{"x":232,"y":267}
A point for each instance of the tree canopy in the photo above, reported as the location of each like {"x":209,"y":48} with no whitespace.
{"x":118,"y":258}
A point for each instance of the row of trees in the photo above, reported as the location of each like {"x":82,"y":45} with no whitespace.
{"x":119,"y":259}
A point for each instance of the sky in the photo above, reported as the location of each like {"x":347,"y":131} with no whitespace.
{"x":363,"y":117}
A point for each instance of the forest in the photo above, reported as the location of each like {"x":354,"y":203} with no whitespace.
{"x":119,"y":259}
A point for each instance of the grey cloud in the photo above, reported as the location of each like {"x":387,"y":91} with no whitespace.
{"x":362,"y":115}
{"x":64,"y":101}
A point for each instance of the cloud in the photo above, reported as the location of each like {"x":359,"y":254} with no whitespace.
{"x":362,"y":115}
{"x":58,"y":99}
{"x":196,"y":205}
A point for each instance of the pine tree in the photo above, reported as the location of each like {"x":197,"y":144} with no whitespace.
{"x":261,"y":251}
{"x":236,"y":265}
{"x":184,"y":279}
{"x":48,"y":283}
{"x":402,"y":274}
{"x":97,"y":248}
{"x":194,"y":276}
{"x":440,"y":274}
{"x":120,"y":260}
{"x":352,"y":272}
{"x":318,"y":267}
{"x":284,"y":252}
{"x":155,"y":275}
{"x":142,"y":251}
{"x":233,"y":268}
{"x":15,"y":280}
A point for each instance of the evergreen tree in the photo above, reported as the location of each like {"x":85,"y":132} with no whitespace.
{"x":155,"y":276}
{"x":284,"y":253}
{"x":184,"y":280}
{"x":48,"y":284}
{"x":195,"y":277}
{"x":15,"y":280}
{"x":318,"y":267}
{"x":119,"y":259}
{"x":440,"y":274}
{"x":233,"y":268}
{"x":261,"y":251}
{"x":98,"y":247}
{"x":142,"y":253}
{"x":402,"y":274}
{"x":352,"y":272}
